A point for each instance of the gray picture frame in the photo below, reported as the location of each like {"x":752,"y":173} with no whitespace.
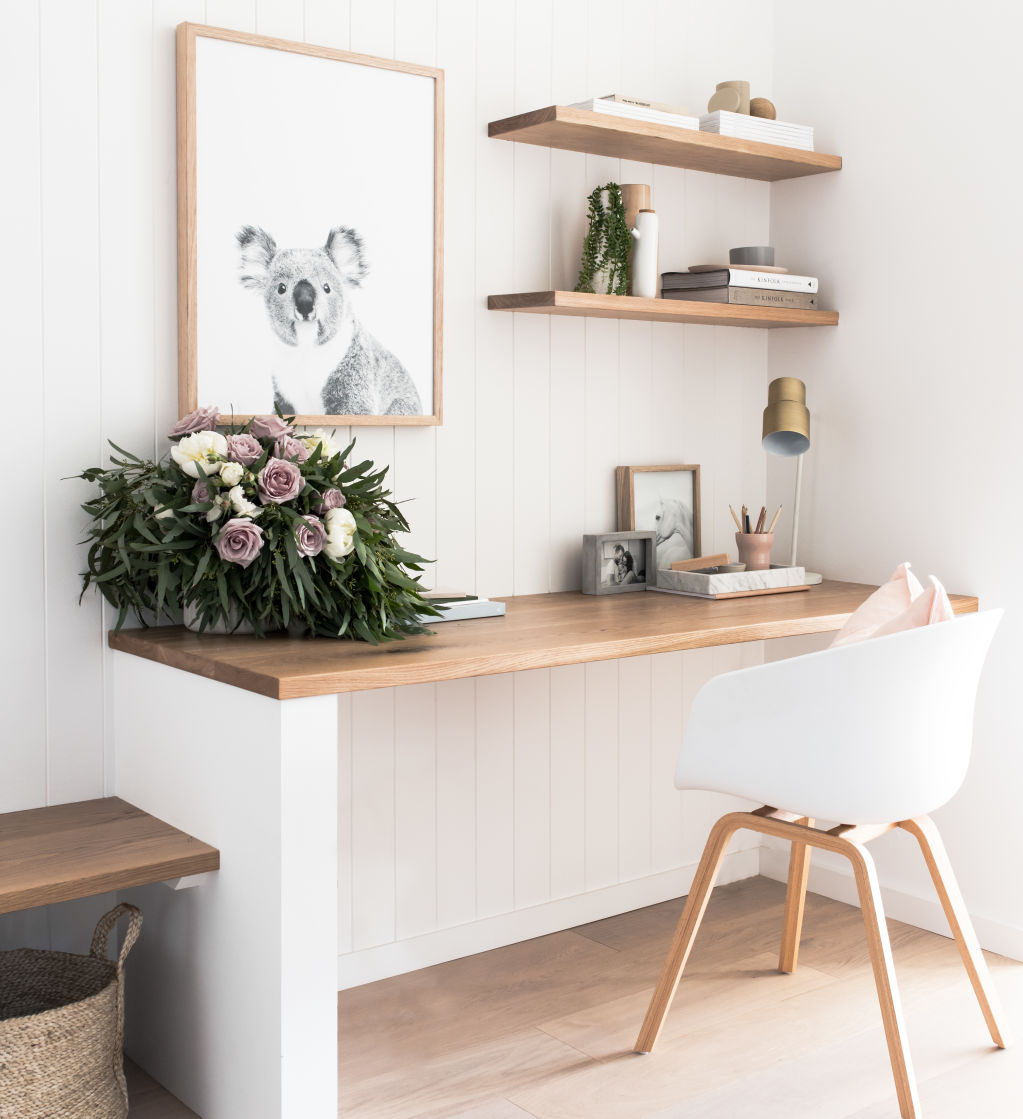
{"x":594,"y":561}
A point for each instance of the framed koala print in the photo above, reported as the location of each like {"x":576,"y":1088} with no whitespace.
{"x":309,"y":231}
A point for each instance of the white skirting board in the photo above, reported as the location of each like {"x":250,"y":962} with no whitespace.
{"x":371,"y":964}
{"x":837,"y":882}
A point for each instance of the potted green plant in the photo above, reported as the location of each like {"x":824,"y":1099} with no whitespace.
{"x":252,"y":528}
{"x":607,"y":244}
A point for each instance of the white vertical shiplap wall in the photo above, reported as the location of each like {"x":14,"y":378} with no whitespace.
{"x":467,"y":802}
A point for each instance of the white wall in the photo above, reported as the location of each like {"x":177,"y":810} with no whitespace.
{"x":916,"y":397}
{"x":467,"y":800}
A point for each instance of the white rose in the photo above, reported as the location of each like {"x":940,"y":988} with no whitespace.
{"x":316,"y":437}
{"x":217,"y":511}
{"x":240,"y":503}
{"x":162,"y":513}
{"x":199,"y":450}
{"x":231,"y":473}
{"x":340,"y":526}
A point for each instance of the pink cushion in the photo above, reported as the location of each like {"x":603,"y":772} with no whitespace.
{"x":885,"y":604}
{"x":925,"y":610}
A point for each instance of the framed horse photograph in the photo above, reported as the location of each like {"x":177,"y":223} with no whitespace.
{"x":664,"y":500}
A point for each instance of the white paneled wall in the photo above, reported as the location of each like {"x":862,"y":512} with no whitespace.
{"x":502,"y":804}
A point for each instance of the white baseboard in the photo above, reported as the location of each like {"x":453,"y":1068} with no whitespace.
{"x":924,"y":912}
{"x":371,"y":964}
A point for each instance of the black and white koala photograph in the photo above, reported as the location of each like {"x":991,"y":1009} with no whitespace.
{"x":315,"y":237}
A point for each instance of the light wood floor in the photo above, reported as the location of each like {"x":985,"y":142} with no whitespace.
{"x":545,"y":1028}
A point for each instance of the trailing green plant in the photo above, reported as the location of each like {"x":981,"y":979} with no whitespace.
{"x":258,"y":526}
{"x":608,"y":242}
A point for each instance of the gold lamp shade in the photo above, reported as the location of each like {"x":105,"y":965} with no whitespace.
{"x":786,"y":418}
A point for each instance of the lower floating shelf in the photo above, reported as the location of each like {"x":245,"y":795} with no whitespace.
{"x":657,"y":310}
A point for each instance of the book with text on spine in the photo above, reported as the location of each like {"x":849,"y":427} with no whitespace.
{"x":747,"y":297}
{"x":736,"y":277}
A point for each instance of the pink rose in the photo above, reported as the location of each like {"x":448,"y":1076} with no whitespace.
{"x":239,"y":541}
{"x":279,"y":481}
{"x":268,"y":427}
{"x":201,"y":493}
{"x":287,"y":447}
{"x":331,"y":499}
{"x":243,"y":448}
{"x":310,"y":537}
{"x":202,"y":419}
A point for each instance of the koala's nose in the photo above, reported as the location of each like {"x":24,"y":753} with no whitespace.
{"x":305,"y":299}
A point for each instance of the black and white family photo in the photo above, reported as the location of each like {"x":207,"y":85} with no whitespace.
{"x":623,"y":563}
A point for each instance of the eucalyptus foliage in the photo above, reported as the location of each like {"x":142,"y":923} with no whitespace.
{"x":154,"y":550}
{"x":608,"y":242}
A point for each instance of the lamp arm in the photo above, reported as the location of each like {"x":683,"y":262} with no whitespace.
{"x":795,"y":508}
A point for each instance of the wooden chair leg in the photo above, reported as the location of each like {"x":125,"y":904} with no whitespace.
{"x":685,"y":933}
{"x":884,"y":977}
{"x":927,"y":835}
{"x":795,"y":902}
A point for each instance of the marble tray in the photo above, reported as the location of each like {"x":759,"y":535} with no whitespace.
{"x":712,"y":583}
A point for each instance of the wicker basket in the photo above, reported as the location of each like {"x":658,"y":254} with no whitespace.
{"x":61,"y":1029}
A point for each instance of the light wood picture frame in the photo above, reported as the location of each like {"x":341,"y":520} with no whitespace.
{"x":310,"y":231}
{"x":666,"y":501}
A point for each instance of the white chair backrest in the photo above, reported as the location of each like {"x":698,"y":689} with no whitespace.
{"x":873,"y":732}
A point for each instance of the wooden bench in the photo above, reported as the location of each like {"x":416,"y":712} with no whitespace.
{"x":90,"y":847}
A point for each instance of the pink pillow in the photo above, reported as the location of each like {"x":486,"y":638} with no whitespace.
{"x":885,"y":604}
{"x":925,"y":610}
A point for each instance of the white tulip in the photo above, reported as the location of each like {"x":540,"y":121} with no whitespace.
{"x":231,"y":473}
{"x":199,"y":450}
{"x":340,"y":526}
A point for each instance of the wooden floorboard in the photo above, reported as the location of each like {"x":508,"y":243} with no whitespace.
{"x":545,"y":1028}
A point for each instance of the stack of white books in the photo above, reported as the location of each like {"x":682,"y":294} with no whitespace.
{"x":637,"y":112}
{"x":743,"y":127}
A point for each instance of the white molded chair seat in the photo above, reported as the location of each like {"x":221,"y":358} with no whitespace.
{"x":866,"y":733}
{"x":875,"y":735}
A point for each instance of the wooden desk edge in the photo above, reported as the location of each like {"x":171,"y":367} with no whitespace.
{"x":302,"y":685}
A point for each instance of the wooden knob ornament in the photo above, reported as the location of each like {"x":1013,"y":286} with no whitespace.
{"x":761,"y":107}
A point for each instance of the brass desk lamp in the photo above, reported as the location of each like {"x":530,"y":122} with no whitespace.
{"x":787,"y":433}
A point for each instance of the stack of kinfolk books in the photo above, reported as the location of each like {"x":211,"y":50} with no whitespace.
{"x":744,"y":286}
{"x":633,"y":108}
{"x":743,"y":127}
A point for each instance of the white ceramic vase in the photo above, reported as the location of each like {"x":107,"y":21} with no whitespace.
{"x":644,"y":255}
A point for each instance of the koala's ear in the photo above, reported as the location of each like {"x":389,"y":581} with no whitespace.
{"x":257,"y":249}
{"x":344,"y":247}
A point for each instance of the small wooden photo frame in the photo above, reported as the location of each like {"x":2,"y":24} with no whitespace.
{"x":617,"y":562}
{"x":664,"y":500}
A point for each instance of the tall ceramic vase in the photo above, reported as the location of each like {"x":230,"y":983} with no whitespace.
{"x":644,"y":255}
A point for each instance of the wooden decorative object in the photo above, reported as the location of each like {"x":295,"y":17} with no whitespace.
{"x":275,"y":230}
{"x":761,"y":107}
{"x":574,"y":303}
{"x":698,"y":563}
{"x":635,"y":197}
{"x":668,"y":506}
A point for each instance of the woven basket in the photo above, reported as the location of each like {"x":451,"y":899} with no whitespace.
{"x":62,"y":1027}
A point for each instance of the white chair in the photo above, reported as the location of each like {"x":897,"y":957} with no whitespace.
{"x":875,"y":734}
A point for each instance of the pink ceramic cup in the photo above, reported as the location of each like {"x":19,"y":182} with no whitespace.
{"x":755,"y":549}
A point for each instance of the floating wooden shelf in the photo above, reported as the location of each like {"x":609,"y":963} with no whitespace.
{"x":657,"y":310}
{"x":76,"y":850}
{"x":578,"y":130}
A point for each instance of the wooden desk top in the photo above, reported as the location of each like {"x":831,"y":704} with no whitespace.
{"x":539,"y":631}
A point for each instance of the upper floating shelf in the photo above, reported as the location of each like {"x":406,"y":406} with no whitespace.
{"x":578,"y":130}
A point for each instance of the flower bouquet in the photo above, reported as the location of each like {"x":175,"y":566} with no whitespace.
{"x":253,"y":529}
